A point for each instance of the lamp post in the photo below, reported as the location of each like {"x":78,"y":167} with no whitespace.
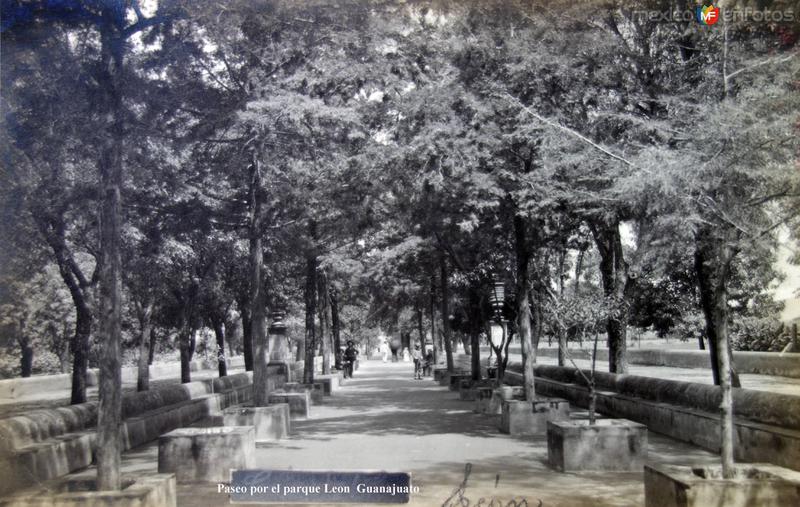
{"x":497,"y":298}
{"x":278,"y":347}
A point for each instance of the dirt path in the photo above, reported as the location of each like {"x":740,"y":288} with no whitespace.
{"x":385,"y":420}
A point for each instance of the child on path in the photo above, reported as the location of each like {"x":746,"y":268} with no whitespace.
{"x":417,"y":356}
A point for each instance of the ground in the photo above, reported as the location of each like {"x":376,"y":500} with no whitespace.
{"x":383,"y":419}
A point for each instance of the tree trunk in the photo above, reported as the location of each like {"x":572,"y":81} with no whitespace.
{"x":258,"y":328}
{"x":420,"y":329}
{"x":185,"y":350}
{"x":219,"y":334}
{"x":523,"y":255}
{"x":579,"y":270}
{"x":724,"y":358}
{"x":562,"y":347}
{"x":311,"y":307}
{"x":335,"y":329}
{"x":151,"y":349}
{"x":448,"y":346}
{"x":713,"y":259}
{"x":432,"y":305}
{"x":109,"y":412}
{"x":613,"y":271}
{"x":705,"y":283}
{"x":247,"y":336}
{"x":26,"y":354}
{"x":324,"y":323}
{"x":145,"y":326}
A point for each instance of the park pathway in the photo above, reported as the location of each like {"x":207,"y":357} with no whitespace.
{"x":383,"y":419}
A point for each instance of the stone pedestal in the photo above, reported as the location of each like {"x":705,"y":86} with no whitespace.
{"x":316,"y":390}
{"x":501,"y":394}
{"x":456,"y":378}
{"x":206,"y":454}
{"x":531,"y":417}
{"x":281,"y":372}
{"x":299,"y":403}
{"x":468,"y":389}
{"x":757,"y":484}
{"x":334,"y":381}
{"x":483,"y":395}
{"x":609,"y":444}
{"x":329,"y":385}
{"x":270,"y":422}
{"x":141,"y":490}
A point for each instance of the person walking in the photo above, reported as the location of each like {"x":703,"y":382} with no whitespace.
{"x":417,"y":356}
{"x":384,"y":351}
{"x":350,"y":356}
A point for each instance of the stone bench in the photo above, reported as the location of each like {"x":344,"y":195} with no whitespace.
{"x":206,"y":454}
{"x":521,"y":417}
{"x":776,"y":441}
{"x":439,"y":373}
{"x":299,"y":403}
{"x":49,"y":443}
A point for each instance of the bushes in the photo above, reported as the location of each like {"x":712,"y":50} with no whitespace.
{"x":758,"y":334}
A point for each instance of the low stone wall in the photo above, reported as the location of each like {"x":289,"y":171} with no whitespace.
{"x":48,"y":443}
{"x":765,"y":363}
{"x":30,"y":386}
{"x":766,"y":424}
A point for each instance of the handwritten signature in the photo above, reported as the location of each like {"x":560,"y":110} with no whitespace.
{"x":459,"y":499}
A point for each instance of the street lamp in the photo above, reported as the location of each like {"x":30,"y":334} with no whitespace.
{"x":497,"y":298}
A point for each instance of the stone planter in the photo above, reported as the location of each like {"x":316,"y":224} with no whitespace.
{"x":609,"y":444}
{"x":331,"y":382}
{"x":531,"y":417}
{"x":456,"y":378}
{"x":299,"y":403}
{"x":483,"y":395}
{"x":757,"y":484}
{"x":146,"y":490}
{"x":206,"y":454}
{"x":501,"y":394}
{"x":270,"y":422}
{"x":317,"y":390}
{"x":468,"y":389}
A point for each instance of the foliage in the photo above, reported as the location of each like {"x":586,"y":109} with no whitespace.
{"x":758,"y":334}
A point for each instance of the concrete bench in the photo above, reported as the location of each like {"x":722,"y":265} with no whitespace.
{"x":49,"y":443}
{"x":270,"y":423}
{"x":438,"y":373}
{"x":206,"y":454}
{"x":299,"y":403}
{"x":765,"y":427}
